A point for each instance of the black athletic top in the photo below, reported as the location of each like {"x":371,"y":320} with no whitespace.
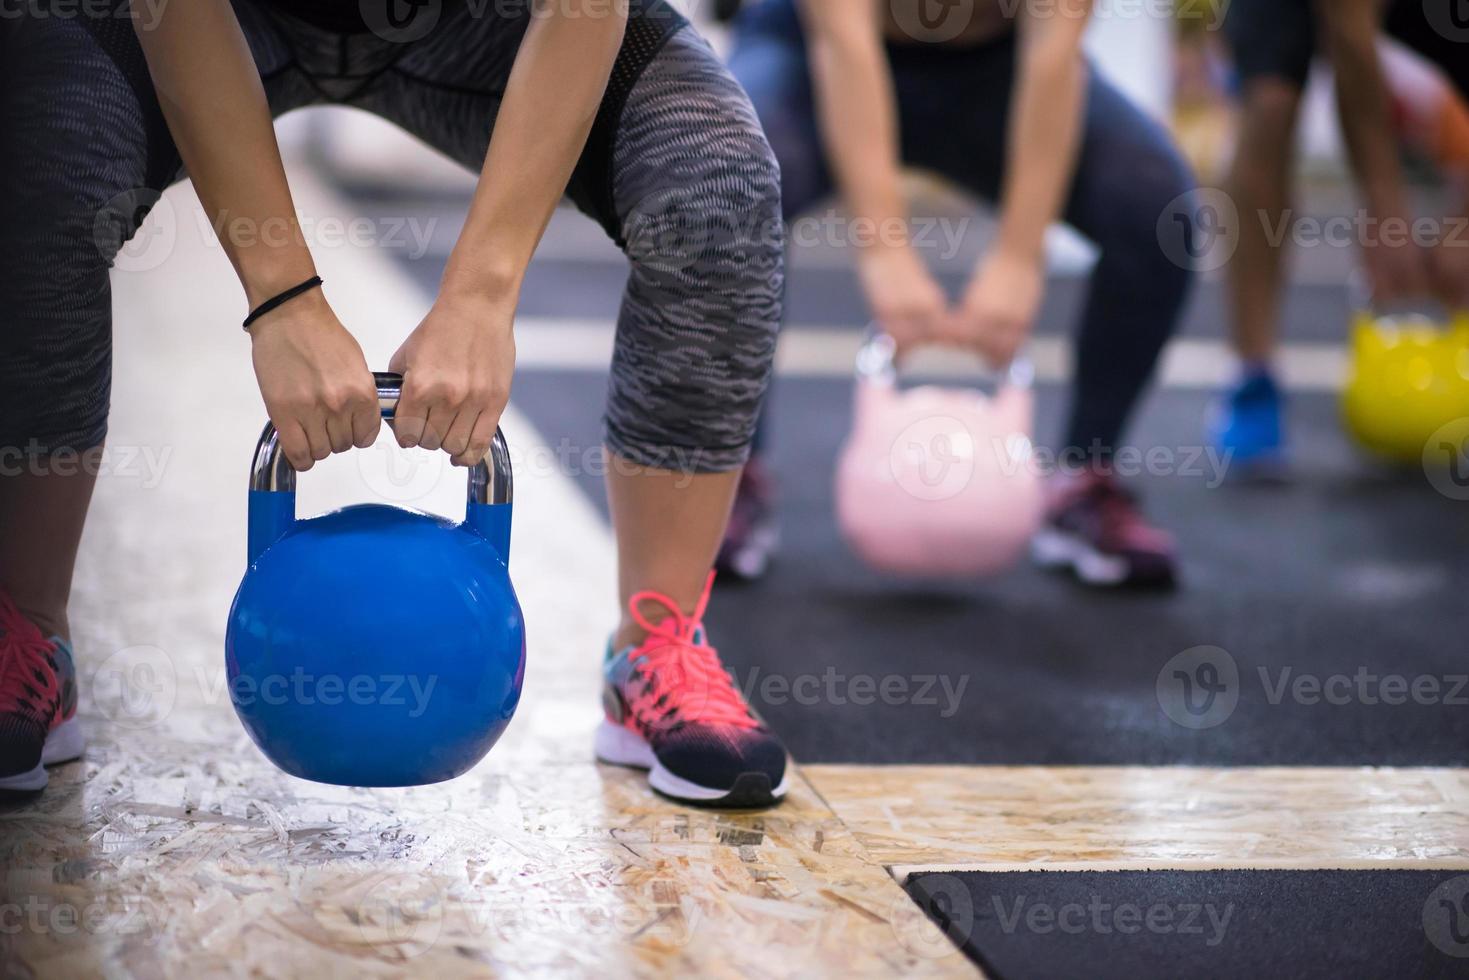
{"x":386,"y":17}
{"x":780,"y":18}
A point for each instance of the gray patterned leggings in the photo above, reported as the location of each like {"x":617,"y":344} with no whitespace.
{"x":676,"y":170}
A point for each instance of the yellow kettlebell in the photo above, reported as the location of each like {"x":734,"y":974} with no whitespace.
{"x":1409,"y":377}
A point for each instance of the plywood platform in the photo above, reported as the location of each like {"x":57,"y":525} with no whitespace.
{"x":178,"y":866}
{"x":1000,"y":818}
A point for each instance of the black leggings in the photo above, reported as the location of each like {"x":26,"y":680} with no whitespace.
{"x":1278,"y":38}
{"x":953,"y":106}
{"x":676,"y":170}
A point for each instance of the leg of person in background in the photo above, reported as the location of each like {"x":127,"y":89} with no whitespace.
{"x":1272,"y":42}
{"x":1247,"y":421}
{"x":1128,"y":175}
{"x":769,"y":62}
{"x":1446,"y":130}
{"x":752,"y":536}
{"x":1259,"y":184}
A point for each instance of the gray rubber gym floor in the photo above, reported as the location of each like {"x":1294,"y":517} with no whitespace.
{"x":1332,"y":605}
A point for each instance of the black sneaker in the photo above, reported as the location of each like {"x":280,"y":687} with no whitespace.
{"x":1094,"y":530}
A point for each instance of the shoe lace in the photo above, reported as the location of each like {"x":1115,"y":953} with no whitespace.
{"x":27,"y":664}
{"x":679,"y":677}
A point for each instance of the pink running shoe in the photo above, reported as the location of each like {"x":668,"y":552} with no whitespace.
{"x":674,"y":710}
{"x":38,"y":703}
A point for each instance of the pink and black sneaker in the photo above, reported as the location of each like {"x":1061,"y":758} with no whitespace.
{"x":673,"y":710}
{"x":38,"y":703}
{"x":1094,"y":530}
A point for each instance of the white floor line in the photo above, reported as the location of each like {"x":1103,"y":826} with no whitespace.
{"x":584,"y":344}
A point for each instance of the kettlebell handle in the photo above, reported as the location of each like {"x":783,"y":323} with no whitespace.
{"x":877,"y":361}
{"x":490,"y":481}
{"x":1362,"y":300}
{"x":488,"y":494}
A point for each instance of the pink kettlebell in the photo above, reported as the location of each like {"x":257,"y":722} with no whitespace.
{"x":937,"y":481}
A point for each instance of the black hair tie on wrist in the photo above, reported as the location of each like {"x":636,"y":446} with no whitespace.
{"x":280,"y":298}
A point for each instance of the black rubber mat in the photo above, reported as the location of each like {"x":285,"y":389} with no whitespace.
{"x":1331,"y":612}
{"x":1136,"y":925}
{"x":1336,"y":605}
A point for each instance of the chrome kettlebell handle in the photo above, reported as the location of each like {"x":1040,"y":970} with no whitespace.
{"x":877,"y":361}
{"x":490,"y":481}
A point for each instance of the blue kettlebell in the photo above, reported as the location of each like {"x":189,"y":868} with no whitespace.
{"x":375,"y":645}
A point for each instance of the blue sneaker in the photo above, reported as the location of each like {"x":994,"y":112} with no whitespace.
{"x":1246,"y":426}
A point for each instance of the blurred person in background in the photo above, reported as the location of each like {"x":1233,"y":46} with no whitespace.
{"x":1000,"y":99}
{"x":1273,"y":43}
{"x":100,"y":111}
